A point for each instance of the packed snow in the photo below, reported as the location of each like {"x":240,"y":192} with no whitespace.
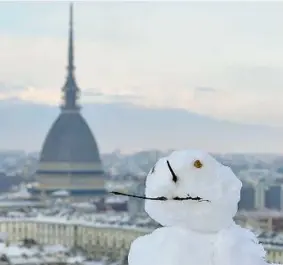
{"x":194,"y":198}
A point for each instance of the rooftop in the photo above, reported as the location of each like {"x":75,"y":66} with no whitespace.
{"x":266,"y":213}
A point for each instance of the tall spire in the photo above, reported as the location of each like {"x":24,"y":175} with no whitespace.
{"x":70,"y":89}
{"x":71,"y":49}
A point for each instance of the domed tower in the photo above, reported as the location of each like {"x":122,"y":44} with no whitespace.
{"x":70,"y":159}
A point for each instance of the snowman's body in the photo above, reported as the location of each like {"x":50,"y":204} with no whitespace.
{"x":199,"y":230}
{"x":170,"y":245}
{"x":177,"y":246}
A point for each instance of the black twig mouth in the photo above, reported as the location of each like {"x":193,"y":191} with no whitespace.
{"x":162,"y":198}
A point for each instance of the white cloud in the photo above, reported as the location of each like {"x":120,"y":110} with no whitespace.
{"x":159,"y":53}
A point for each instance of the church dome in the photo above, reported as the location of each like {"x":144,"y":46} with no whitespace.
{"x":70,"y":140}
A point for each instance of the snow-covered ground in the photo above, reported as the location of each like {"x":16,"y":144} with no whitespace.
{"x":35,"y":254}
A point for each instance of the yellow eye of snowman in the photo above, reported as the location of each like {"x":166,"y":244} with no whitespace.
{"x":198,"y":164}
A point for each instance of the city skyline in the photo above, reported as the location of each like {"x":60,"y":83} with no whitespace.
{"x":221,"y":60}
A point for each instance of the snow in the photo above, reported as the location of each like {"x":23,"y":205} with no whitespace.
{"x":107,"y":222}
{"x":51,"y":249}
{"x":21,"y":260}
{"x":264,"y":213}
{"x":76,"y":259}
{"x":4,"y":236}
{"x":21,"y":194}
{"x":19,"y":254}
{"x":16,"y":251}
{"x":60,"y":193}
{"x":84,"y":205}
{"x":194,"y":232}
{"x":115,"y":199}
{"x":15,"y":214}
{"x":19,"y":203}
{"x":92,"y":263}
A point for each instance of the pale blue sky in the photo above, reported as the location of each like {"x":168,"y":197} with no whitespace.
{"x":220,"y":59}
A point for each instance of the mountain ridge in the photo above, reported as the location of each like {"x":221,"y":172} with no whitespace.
{"x":130,"y":127}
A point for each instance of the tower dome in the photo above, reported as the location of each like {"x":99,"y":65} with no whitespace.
{"x":70,"y":140}
{"x":70,"y":158}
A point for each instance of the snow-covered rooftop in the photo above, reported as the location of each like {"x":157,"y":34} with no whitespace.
{"x":60,"y":193}
{"x":116,"y":199}
{"x":260,"y":213}
{"x":84,"y":205}
{"x":112,"y":222}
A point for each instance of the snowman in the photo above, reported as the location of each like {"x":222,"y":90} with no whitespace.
{"x":194,"y":198}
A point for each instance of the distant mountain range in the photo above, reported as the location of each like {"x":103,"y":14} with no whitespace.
{"x":127,"y":127}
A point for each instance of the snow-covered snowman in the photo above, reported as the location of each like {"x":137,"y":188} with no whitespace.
{"x":194,"y":198}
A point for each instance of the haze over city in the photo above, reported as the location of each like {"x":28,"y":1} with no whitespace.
{"x":146,"y":72}
{"x":95,"y":100}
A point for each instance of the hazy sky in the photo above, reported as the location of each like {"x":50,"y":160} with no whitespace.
{"x":223,"y":59}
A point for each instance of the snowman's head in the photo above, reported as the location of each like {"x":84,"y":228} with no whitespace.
{"x":194,"y":190}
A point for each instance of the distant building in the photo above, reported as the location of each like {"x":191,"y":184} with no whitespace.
{"x":7,"y":205}
{"x":116,"y":203}
{"x":273,"y":194}
{"x":136,"y":205}
{"x":96,"y":240}
{"x":260,"y":195}
{"x":247,"y":201}
{"x":70,"y":157}
{"x":266,"y":220}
